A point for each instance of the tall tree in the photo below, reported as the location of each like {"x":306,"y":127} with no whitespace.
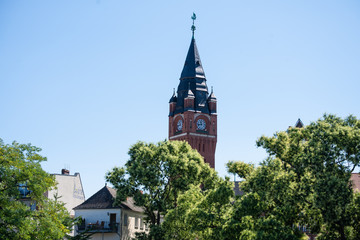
{"x":305,"y":182}
{"x":25,"y":212}
{"x":200,"y":213}
{"x":271,"y":205}
{"x":322,"y":156}
{"x":156,"y":174}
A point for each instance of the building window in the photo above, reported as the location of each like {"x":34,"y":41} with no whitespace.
{"x":136,"y":223}
{"x":141,"y":224}
{"x":125,"y":219}
{"x":112,"y":220}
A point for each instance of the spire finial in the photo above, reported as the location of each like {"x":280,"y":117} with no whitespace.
{"x":173,"y":90}
{"x":212,"y":89}
{"x":193,"y":28}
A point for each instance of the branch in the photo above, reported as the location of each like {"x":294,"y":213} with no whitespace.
{"x":353,"y":168}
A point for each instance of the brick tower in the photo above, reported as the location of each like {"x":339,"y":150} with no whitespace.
{"x":192,"y":115}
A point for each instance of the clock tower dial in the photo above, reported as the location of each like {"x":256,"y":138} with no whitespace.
{"x":179,"y":125}
{"x":201,"y":124}
{"x":193,"y":104}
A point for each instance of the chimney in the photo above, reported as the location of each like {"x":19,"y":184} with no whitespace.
{"x":65,"y":171}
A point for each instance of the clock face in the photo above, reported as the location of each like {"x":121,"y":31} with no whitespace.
{"x":201,"y":125}
{"x":179,"y":125}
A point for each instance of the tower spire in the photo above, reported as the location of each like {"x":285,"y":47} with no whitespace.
{"x":193,"y":115}
{"x":194,"y":74}
{"x":193,"y":28}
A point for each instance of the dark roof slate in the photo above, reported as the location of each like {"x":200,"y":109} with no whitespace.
{"x":192,"y":78}
{"x":192,"y":67}
{"x":105,"y":198}
{"x":173,"y":98}
{"x":299,"y":124}
{"x":212,"y":96}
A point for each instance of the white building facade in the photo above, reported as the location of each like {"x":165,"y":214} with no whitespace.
{"x":69,"y":190}
{"x":105,"y":221}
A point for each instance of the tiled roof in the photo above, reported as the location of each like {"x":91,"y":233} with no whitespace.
{"x":105,"y":199}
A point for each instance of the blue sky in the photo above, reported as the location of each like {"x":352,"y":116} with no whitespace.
{"x":86,"y":79}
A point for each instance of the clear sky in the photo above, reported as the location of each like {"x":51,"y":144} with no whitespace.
{"x":86,"y":79}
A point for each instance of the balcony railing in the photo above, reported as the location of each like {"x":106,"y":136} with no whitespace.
{"x":98,"y":226}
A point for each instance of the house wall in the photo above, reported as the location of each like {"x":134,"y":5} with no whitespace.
{"x":128,"y":230}
{"x":70,"y":191}
{"x":105,"y":236}
{"x":93,"y":216}
{"x":98,"y":215}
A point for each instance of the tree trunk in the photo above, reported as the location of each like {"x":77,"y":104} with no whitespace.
{"x":158,"y":218}
{"x":342,"y":233}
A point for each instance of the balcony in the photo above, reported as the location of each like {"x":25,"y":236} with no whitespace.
{"x":98,"y":227}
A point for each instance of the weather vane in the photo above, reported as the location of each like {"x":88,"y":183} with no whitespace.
{"x":193,"y":28}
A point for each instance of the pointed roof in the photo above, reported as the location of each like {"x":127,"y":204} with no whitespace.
{"x":299,"y":124}
{"x":212,"y":96}
{"x":192,"y":67}
{"x":193,"y":79}
{"x":105,"y":199}
{"x":173,"y":97}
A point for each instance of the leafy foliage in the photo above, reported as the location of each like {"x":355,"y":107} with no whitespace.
{"x":20,"y":169}
{"x":320,"y":158}
{"x":200,"y":214}
{"x":304,"y":185}
{"x":155,"y":176}
{"x":242,"y":169}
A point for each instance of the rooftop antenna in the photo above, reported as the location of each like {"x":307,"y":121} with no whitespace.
{"x":193,"y":28}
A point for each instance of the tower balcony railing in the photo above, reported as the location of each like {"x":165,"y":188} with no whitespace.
{"x":202,"y":131}
{"x":98,"y":226}
{"x":178,"y":132}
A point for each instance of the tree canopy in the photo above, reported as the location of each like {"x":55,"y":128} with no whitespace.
{"x":156,"y":174}
{"x":322,"y":157}
{"x":303,"y":186}
{"x":25,"y":212}
{"x":201,"y":213}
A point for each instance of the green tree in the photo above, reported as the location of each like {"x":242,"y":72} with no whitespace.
{"x":321,"y":157}
{"x":20,"y":171}
{"x":200,"y":213}
{"x":271,"y":206}
{"x":305,"y":181}
{"x":242,"y":169}
{"x":156,"y":175}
